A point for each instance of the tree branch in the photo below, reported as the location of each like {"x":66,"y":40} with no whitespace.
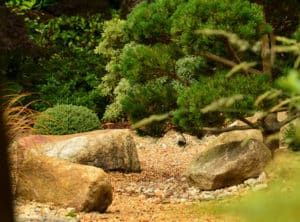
{"x":227,"y":129}
{"x":244,"y":120}
{"x":289,"y":119}
{"x":231,"y":51}
{"x":233,"y":54}
{"x":226,"y":62}
{"x":178,"y":78}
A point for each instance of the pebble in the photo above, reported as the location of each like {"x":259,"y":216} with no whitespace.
{"x":36,"y":212}
{"x":260,"y":187}
{"x":185,"y":196}
{"x":233,"y":189}
{"x":179,"y":190}
{"x":262,"y":178}
{"x":71,"y":210}
{"x":207,"y":196}
{"x":170,"y":191}
{"x":250,"y":182}
{"x":224,"y":194}
{"x":192,"y":191}
{"x":183,"y":179}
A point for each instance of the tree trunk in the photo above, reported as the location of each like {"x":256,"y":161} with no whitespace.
{"x":266,"y":50}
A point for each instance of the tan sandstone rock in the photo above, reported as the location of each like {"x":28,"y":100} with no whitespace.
{"x":66,"y":184}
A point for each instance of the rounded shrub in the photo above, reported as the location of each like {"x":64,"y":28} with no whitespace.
{"x":141,"y":63}
{"x":211,"y":88}
{"x":151,"y":22}
{"x":240,"y":17}
{"x":66,"y":119}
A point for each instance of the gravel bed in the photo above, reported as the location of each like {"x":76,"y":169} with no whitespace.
{"x":161,"y":184}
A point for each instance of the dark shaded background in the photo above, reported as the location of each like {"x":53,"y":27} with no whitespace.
{"x":6,"y":208}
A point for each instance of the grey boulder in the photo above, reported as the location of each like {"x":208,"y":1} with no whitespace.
{"x":228,"y":164}
{"x":236,"y":135}
{"x":111,"y":150}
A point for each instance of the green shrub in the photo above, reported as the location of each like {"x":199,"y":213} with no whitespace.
{"x":150,"y":23}
{"x":67,"y":77}
{"x":211,"y":88}
{"x":112,"y":39}
{"x":140,"y":63}
{"x":25,"y":5}
{"x":190,"y":67}
{"x":156,"y":97}
{"x":67,"y":31}
{"x":29,"y":4}
{"x":164,"y":57}
{"x":112,"y":86}
{"x":114,"y":111}
{"x":66,"y":119}
{"x":240,"y":17}
{"x":130,"y":62}
{"x":67,"y":72}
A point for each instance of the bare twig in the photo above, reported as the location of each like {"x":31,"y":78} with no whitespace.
{"x":249,"y":123}
{"x":227,"y":129}
{"x":231,"y":51}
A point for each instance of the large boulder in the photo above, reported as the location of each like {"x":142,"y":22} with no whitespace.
{"x":63,"y":183}
{"x":228,"y":164}
{"x":111,"y":150}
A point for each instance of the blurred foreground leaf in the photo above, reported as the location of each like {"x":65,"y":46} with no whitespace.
{"x":151,"y":119}
{"x":281,"y":200}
